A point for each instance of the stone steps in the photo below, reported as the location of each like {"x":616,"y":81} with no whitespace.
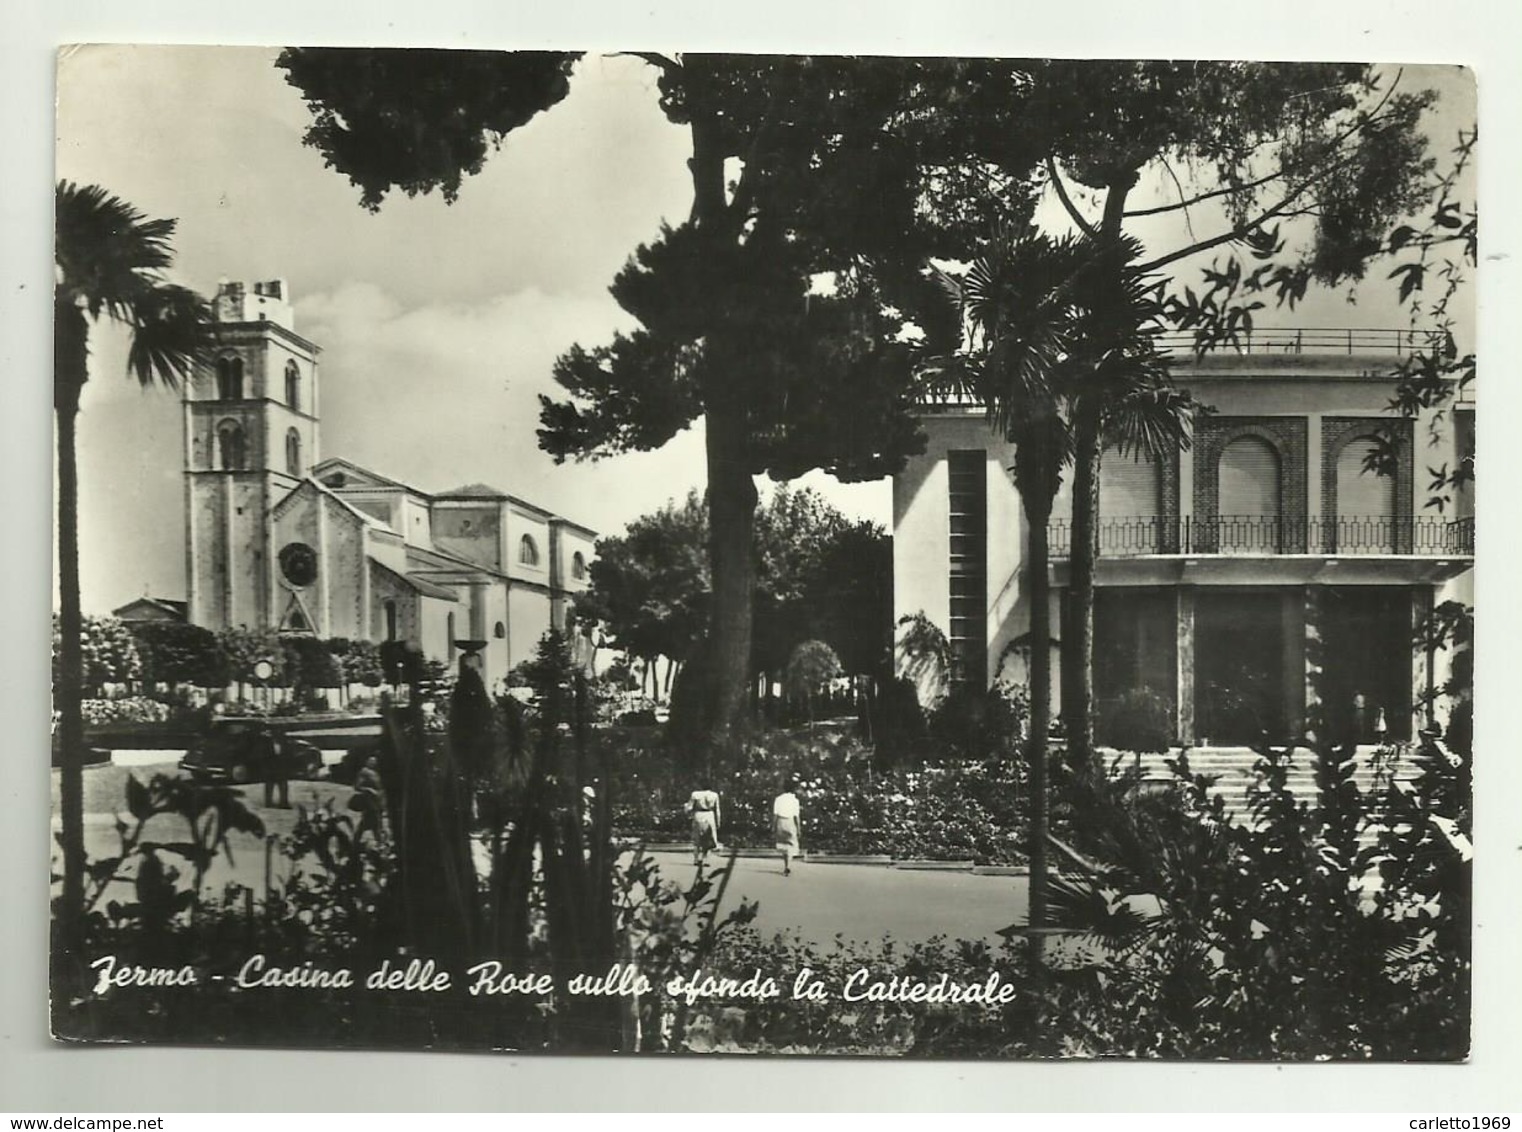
{"x":1234,"y":769}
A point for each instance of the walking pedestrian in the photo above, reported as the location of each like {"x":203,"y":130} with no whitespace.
{"x":703,"y":807}
{"x":369,"y":799}
{"x":276,"y":768}
{"x":787,"y":824}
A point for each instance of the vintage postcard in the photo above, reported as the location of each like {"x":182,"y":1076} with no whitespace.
{"x":662,"y":552}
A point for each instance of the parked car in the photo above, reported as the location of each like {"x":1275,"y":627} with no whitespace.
{"x":240,"y":750}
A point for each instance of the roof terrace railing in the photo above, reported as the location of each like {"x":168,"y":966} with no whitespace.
{"x":1320,"y":341}
{"x":1324,"y":340}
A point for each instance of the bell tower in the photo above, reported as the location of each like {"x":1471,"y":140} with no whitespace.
{"x":251,"y":435}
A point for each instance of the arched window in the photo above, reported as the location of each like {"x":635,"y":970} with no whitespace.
{"x":390,"y":611}
{"x":1365,"y":502}
{"x":293,"y":452}
{"x":231,"y":446}
{"x":293,"y":385}
{"x":528,"y":551}
{"x":578,"y":565}
{"x":1248,"y":482}
{"x":449,"y":632}
{"x":500,"y":632}
{"x":230,"y":379}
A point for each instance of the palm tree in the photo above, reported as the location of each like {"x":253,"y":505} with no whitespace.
{"x":1017,"y":336}
{"x":108,"y":259}
{"x":1058,"y":338}
{"x":1121,"y":398}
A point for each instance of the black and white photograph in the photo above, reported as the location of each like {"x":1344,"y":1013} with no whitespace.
{"x":659,"y":551}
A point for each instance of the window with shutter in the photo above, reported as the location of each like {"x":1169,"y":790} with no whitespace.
{"x":1249,"y":513}
{"x":1130,"y":504}
{"x":1365,"y":503}
{"x":1463,"y":428}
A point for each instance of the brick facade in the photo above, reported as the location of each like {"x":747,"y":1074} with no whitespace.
{"x":1336,"y":434}
{"x":1287,"y":436}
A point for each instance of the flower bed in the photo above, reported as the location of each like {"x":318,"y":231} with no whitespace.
{"x":127,"y":709}
{"x":944,"y":811}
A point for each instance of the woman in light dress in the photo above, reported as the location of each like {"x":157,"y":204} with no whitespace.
{"x":703,"y":806}
{"x":787,"y":824}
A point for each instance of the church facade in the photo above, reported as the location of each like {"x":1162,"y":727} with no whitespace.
{"x":280,"y":537}
{"x":1252,"y":583}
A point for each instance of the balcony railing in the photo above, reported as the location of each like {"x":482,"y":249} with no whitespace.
{"x":1258,"y":535}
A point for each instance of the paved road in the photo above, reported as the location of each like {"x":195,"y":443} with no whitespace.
{"x":819,"y":901}
{"x":865,"y":902}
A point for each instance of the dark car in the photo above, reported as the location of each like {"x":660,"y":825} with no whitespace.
{"x":249,"y":750}
{"x":347,"y":769}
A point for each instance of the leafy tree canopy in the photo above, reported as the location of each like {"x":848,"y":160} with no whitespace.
{"x":419,"y":120}
{"x":174,"y":652}
{"x":818,"y":575}
{"x":650,"y":585}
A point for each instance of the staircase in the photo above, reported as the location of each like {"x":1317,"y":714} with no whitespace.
{"x":1234,"y":771}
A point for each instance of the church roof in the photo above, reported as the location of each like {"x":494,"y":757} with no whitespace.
{"x":369,"y":519}
{"x":474,"y":491}
{"x":151,"y":609}
{"x":413,"y":582}
{"x":371,"y":479}
{"x":442,"y":561}
{"x":484,"y":491}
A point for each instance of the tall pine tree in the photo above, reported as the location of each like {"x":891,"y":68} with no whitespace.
{"x":770,"y":311}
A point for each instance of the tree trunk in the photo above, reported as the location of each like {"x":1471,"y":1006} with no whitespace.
{"x":731,"y":490}
{"x":1078,"y":702}
{"x":731,"y":517}
{"x":69,"y":374}
{"x":1041,"y":693}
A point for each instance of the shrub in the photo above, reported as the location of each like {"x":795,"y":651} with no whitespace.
{"x":895,"y":722}
{"x":975,"y":724}
{"x":958,"y":811}
{"x":1333,"y":928}
{"x":359,"y":660}
{"x":108,"y":653}
{"x":1138,"y":720}
{"x":245,"y":648}
{"x":812,"y":666}
{"x":310,"y":663}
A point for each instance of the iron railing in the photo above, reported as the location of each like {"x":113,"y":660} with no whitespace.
{"x":1257,"y":535}
{"x":1398,"y":343}
{"x":1388,"y":342}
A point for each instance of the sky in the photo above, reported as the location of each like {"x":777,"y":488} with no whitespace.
{"x":439,"y":324}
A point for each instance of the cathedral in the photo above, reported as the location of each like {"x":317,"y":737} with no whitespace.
{"x":278,"y":537}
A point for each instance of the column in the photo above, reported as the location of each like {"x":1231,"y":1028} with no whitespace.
{"x":478,"y":612}
{"x":1316,"y":523}
{"x":1185,"y":660}
{"x":1423,"y":658}
{"x":1310,"y":608}
{"x":1292,"y":629}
